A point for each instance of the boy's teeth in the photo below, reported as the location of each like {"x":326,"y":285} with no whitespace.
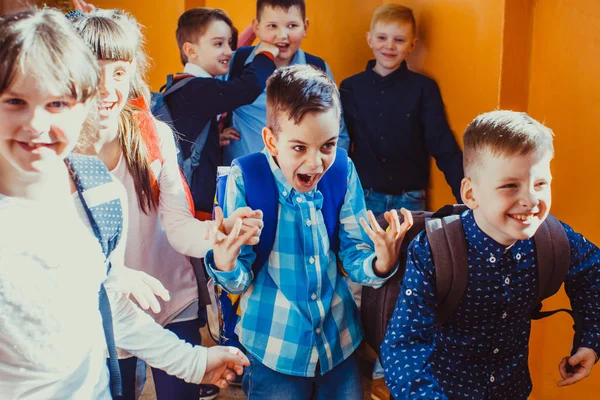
{"x":523,"y":217}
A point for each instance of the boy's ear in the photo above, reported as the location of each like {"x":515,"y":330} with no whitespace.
{"x":189,"y":50}
{"x":270,"y":140}
{"x":466,"y":193}
{"x":255,"y":23}
{"x":369,"y":38}
{"x":306,"y":24}
{"x":413,"y":44}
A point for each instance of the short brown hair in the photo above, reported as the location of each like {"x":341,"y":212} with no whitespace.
{"x":394,"y":13}
{"x":507,"y":133}
{"x":283,"y":4}
{"x":193,"y":24}
{"x":299,"y":89}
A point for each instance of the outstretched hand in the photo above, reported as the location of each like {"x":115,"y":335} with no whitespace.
{"x":226,"y":247}
{"x":223,"y":364}
{"x":144,"y":288}
{"x":581,"y":362}
{"x":387,"y":242}
{"x":251,"y":220}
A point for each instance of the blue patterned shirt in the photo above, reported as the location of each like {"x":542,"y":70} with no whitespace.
{"x":482,"y":351}
{"x":298,"y":310}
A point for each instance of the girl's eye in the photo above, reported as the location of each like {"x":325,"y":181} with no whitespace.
{"x":329,"y":146}
{"x":218,"y":44}
{"x":543,"y":183}
{"x":299,"y":148}
{"x":15,"y":102}
{"x":120,"y":74}
{"x":59,"y":104}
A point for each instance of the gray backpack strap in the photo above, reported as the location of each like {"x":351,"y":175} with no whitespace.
{"x":554,"y":257}
{"x":189,"y":165}
{"x":449,"y":251}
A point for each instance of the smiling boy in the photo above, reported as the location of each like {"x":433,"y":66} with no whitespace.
{"x":299,"y":323}
{"x":481,"y":352}
{"x":283,"y":23}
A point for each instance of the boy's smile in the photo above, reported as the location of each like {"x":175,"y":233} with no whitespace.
{"x":304,"y":152}
{"x":391,"y":43}
{"x":284,"y":28}
{"x":510,"y":195}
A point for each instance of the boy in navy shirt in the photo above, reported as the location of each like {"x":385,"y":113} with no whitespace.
{"x":396,"y":119}
{"x":204,"y":37}
{"x":481,"y":352}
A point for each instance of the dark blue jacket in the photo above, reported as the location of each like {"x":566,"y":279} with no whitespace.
{"x":202,"y":100}
{"x":395,"y":123}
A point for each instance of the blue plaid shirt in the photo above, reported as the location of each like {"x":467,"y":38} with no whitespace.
{"x":298,"y":310}
{"x":482,"y":351}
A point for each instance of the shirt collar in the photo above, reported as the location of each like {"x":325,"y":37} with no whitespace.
{"x":299,"y":57}
{"x":196,"y":70}
{"x":482,"y":243}
{"x":286,"y":192}
{"x":402,"y":69}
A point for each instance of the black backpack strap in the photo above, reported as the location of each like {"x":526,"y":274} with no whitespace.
{"x":239,"y":61}
{"x":449,"y":251}
{"x":316,"y":62}
{"x":553,"y":255}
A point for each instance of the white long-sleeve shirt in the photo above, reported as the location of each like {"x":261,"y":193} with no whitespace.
{"x":51,"y":338}
{"x":160,"y":241}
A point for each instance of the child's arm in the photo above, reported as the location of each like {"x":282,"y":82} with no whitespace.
{"x":357,"y":252}
{"x":439,"y":140}
{"x":230,"y":263}
{"x":410,"y":340}
{"x":137,"y":333}
{"x":583,"y":288}
{"x":186,"y":234}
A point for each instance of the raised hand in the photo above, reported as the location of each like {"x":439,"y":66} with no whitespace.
{"x":251,"y":220}
{"x":387,"y":242}
{"x":83,"y":6}
{"x":142,"y":287}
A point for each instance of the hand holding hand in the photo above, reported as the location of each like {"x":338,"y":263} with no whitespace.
{"x":387,"y":242}
{"x":226,"y":247}
{"x":251,"y":220}
{"x":223,"y":364}
{"x":582,"y":362}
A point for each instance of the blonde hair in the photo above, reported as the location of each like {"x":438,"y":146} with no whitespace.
{"x":507,"y":133}
{"x":394,"y":13}
{"x":42,"y":43}
{"x":116,"y":36}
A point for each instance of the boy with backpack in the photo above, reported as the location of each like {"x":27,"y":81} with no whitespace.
{"x":476,"y":345}
{"x":299,"y":324}
{"x":284,"y":23}
{"x":192,"y":101}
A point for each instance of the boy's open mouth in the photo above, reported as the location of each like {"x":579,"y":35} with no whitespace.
{"x":283,"y":46}
{"x":307,"y":180}
{"x":525,"y":218}
{"x":224,"y":62}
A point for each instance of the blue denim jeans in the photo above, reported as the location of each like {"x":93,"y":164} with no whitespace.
{"x":379,"y":203}
{"x":341,"y":383}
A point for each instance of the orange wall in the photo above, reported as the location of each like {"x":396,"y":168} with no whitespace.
{"x":564,"y":92}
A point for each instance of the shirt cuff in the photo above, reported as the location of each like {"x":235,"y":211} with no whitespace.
{"x":374,"y":280}
{"x":223,"y":278}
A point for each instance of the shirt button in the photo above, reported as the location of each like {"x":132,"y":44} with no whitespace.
{"x":492,"y":379}
{"x":308,"y":222}
{"x":383,"y":91}
{"x":381,"y":138}
{"x":311,"y":260}
{"x":408,"y":292}
{"x":298,"y":199}
{"x":492,"y":259}
{"x":284,"y":193}
{"x":504,"y":315}
{"x":507,"y":281}
{"x":314,"y":297}
{"x":518,"y":256}
{"x":318,"y":330}
{"x":496,"y":351}
{"x":383,"y":160}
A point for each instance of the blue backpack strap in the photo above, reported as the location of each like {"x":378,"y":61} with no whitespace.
{"x":106,"y":220}
{"x":333,"y":186}
{"x":316,"y":62}
{"x":261,"y":194}
{"x":239,"y":61}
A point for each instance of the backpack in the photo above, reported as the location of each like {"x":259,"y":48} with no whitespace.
{"x":90,"y":174}
{"x":261,"y":194}
{"x":449,"y":250}
{"x":160,"y":109}
{"x":238,"y":63}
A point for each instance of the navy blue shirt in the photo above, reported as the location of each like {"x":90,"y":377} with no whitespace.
{"x":201,"y":100}
{"x":395,"y":122}
{"x":482,"y":351}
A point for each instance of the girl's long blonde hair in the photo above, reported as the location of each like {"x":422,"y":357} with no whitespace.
{"x":115,"y":35}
